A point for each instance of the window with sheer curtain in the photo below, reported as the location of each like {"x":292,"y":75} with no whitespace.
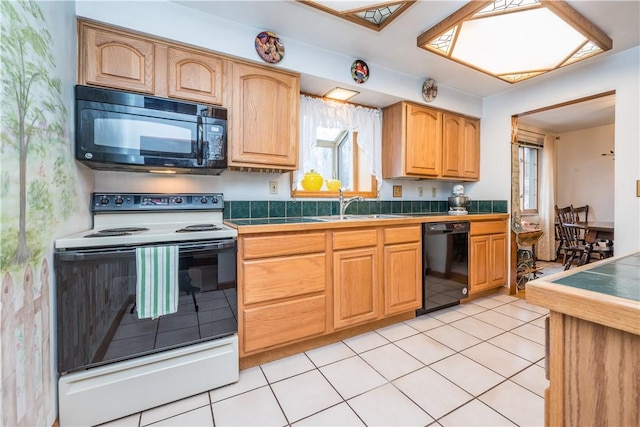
{"x":339,"y":141}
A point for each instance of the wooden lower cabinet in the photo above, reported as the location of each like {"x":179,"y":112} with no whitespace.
{"x":402,"y":269}
{"x":355,"y":294}
{"x":487,"y":255}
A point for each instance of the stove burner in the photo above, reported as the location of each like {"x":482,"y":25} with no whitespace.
{"x":199,"y":227}
{"x":123,"y":231}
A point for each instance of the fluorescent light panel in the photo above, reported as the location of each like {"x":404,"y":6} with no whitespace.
{"x":341,"y":94}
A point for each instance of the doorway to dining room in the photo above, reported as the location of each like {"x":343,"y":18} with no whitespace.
{"x":580,"y":163}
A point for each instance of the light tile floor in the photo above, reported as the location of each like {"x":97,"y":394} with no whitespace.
{"x":476,"y":364}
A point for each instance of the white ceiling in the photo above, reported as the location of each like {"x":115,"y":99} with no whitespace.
{"x":395,"y":46}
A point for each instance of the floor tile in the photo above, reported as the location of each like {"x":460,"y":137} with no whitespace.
{"x":330,"y":353}
{"x":496,"y":359}
{"x":365,"y":342}
{"x":337,"y":416}
{"x":488,"y":302}
{"x":503,"y":298}
{"x":424,"y":323}
{"x":304,"y":395}
{"x":250,"y":379}
{"x":469,"y":309}
{"x":352,"y":376}
{"x":197,"y":417}
{"x":516,"y":403}
{"x":397,"y":332}
{"x":424,"y":348}
{"x":517,"y":312}
{"x":467,"y":374}
{"x":530,"y":332}
{"x":542,"y":363}
{"x":519,"y":346}
{"x":130,"y":421}
{"x":477,"y":328}
{"x":453,"y":338}
{"x":447,"y":315}
{"x":474,"y":413}
{"x":386,"y":406}
{"x":287,"y":367}
{"x":174,"y":408}
{"x":432,"y":392}
{"x":257,"y":407}
{"x":499,"y":320}
{"x":524,"y":304}
{"x":539,"y":322}
{"x":403,"y":363}
{"x":532,"y":379}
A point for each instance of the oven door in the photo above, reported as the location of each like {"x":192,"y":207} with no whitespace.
{"x":97,"y":321}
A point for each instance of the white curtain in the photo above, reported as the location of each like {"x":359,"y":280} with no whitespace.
{"x":316,"y":112}
{"x":546,"y":247}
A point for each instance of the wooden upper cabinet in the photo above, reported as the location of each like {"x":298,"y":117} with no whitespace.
{"x":263,"y":121}
{"x":461,"y":147}
{"x":116,"y":60}
{"x":195,"y":76}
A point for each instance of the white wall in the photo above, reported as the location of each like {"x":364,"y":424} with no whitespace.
{"x":584,"y":176}
{"x":620,"y":72}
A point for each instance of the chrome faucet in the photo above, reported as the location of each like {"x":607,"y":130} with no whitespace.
{"x":344,"y":204}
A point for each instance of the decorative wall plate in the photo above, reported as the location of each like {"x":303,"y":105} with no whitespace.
{"x":429,"y":90}
{"x":269,"y":47}
{"x":359,"y":71}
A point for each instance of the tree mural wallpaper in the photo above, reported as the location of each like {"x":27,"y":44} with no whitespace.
{"x":38,"y":192}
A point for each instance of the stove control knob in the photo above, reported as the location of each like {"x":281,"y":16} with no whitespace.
{"x":104,"y":201}
{"x":203,"y":200}
{"x":119,"y":200}
{"x":178,"y":200}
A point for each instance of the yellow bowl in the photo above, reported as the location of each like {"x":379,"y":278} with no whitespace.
{"x":333,"y":184}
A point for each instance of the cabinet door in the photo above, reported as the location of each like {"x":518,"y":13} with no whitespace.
{"x":114,"y":60}
{"x":424,"y":141}
{"x":263,"y":125}
{"x":402,"y":278}
{"x":487,"y":262}
{"x":355,"y":291}
{"x":461,"y":147}
{"x":498,"y":260}
{"x":194,"y":76}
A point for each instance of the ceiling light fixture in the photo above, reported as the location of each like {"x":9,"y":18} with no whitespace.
{"x":373,"y":14}
{"x":340,"y":94}
{"x":515,"y":40}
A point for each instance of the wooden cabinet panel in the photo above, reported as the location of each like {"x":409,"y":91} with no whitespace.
{"x":263,"y":124}
{"x":354,"y":239}
{"x":424,"y":141}
{"x":402,"y":234}
{"x":487,"y":227}
{"x":282,"y":244}
{"x":402,"y":277}
{"x":478,"y":263}
{"x":461,"y":147}
{"x":286,"y":277}
{"x":498,"y":260}
{"x":281,"y":323}
{"x":195,"y":76}
{"x":355,"y":293}
{"x":487,"y":255}
{"x":115,"y":60}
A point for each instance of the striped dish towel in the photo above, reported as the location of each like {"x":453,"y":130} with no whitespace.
{"x":157,"y":281}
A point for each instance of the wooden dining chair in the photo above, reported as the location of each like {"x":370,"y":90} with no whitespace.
{"x":581,"y":214}
{"x":563,"y":215}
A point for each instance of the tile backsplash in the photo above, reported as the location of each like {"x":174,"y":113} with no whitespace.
{"x":281,"y":209}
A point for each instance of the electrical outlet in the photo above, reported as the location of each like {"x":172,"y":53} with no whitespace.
{"x":420,"y":192}
{"x":433,"y":191}
{"x":397,"y":191}
{"x":273,"y":187}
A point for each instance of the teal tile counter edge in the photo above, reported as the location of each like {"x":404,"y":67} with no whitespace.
{"x":258,"y":209}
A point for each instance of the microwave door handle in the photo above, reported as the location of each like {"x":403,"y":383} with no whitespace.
{"x":200,"y":142}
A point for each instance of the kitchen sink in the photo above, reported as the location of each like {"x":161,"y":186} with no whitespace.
{"x":350,"y":217}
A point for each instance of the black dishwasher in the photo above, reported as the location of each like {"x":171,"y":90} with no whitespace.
{"x":445,"y":256}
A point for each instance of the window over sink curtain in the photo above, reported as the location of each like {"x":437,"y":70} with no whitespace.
{"x":316,"y":113}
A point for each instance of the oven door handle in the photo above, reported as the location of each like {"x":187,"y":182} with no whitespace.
{"x":183,"y":248}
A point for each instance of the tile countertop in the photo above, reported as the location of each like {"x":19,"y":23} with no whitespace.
{"x":606,"y":292}
{"x":278,"y":225}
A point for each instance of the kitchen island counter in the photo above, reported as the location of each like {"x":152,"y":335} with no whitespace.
{"x":593,"y":343}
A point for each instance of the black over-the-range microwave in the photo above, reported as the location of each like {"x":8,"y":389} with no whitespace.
{"x":118,"y":130}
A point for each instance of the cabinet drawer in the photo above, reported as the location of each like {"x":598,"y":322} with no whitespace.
{"x":488,"y":227}
{"x":402,"y":234}
{"x":355,"y":239}
{"x":271,"y":279}
{"x":282,"y":323}
{"x":283,"y":244}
